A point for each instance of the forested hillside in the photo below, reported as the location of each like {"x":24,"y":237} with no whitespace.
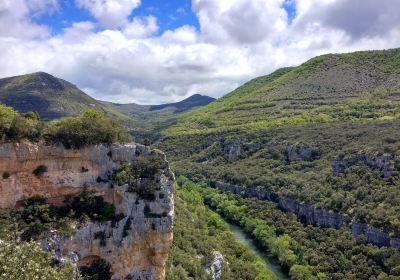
{"x":320,"y":141}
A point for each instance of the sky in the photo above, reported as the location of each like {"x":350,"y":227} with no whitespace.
{"x":159,"y":51}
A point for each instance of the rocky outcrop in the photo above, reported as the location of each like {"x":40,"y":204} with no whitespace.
{"x":137,"y":245}
{"x":235,"y":150}
{"x":214,"y":269}
{"x":386,"y":164}
{"x":305,"y":212}
{"x":310,"y":215}
{"x":374,"y":235}
{"x":297,"y":152}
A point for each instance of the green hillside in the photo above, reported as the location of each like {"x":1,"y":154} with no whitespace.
{"x":289,"y":126}
{"x":51,"y":97}
{"x":326,"y":135}
{"x":358,"y":86}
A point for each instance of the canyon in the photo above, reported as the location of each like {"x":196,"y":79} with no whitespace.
{"x":310,"y":215}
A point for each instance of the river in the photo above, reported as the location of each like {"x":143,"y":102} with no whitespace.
{"x":248,"y":242}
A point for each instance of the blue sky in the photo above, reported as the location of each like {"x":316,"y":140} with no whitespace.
{"x":170,"y":14}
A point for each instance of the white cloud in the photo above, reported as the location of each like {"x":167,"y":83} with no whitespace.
{"x":110,"y":13}
{"x":141,"y":27}
{"x":238,"y":40}
{"x":357,"y":18}
{"x":244,"y":22}
{"x":15,"y":21}
{"x":40,"y":7}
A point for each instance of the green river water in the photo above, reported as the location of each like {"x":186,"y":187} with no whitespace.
{"x":248,"y":242}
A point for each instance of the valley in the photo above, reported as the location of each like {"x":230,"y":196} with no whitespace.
{"x":300,"y":166}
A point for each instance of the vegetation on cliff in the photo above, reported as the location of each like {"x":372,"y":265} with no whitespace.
{"x":89,"y":128}
{"x":27,"y":261}
{"x":36,"y":217}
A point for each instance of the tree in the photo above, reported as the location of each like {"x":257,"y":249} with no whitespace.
{"x":92,"y":127}
{"x":27,"y":261}
{"x":301,"y":272}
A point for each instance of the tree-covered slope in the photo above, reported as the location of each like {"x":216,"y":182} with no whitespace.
{"x":328,"y":88}
{"x":323,"y":141}
{"x":325,"y":133}
{"x":51,"y":97}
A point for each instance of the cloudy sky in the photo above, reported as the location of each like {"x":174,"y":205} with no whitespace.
{"x":156,"y":51}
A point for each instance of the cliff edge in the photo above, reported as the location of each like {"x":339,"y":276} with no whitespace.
{"x":135,"y":244}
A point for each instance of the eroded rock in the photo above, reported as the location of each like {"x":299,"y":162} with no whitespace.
{"x":310,"y":215}
{"x":138,"y":253}
{"x":214,"y":269}
{"x":384,"y":163}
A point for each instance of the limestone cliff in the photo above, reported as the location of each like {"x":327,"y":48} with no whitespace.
{"x":313,"y":216}
{"x":137,"y":245}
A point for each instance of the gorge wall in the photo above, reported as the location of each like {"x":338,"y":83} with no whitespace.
{"x":137,"y":245}
{"x":310,"y":215}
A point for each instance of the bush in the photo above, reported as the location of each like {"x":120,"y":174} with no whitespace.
{"x":98,"y":270}
{"x":87,"y":129}
{"x":6,"y":175}
{"x":88,"y":204}
{"x":28,"y":127}
{"x":7,"y":115}
{"x":127,"y":227}
{"x":147,"y":167}
{"x":40,"y":170}
{"x":28,"y":261}
{"x":37,"y":217}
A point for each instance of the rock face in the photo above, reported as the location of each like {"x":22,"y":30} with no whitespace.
{"x":214,"y":269}
{"x":235,"y":150}
{"x":137,"y":251}
{"x":385,"y":164}
{"x":296,"y":153}
{"x":310,"y":215}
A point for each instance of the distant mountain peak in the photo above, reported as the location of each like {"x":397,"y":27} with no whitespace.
{"x":195,"y":100}
{"x":50,"y":96}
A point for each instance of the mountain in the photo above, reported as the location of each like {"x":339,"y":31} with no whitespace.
{"x":155,"y":118}
{"x":196,"y":100}
{"x":52,"y":98}
{"x":136,"y":110}
{"x":318,"y":146}
{"x":55,"y":98}
{"x":362,"y":85}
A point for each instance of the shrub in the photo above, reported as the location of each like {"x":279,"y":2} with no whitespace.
{"x":28,"y":261}
{"x":40,"y":170}
{"x":123,"y":175}
{"x":127,"y":227}
{"x":146,"y":142}
{"x":24,"y":128}
{"x":7,"y":115}
{"x":102,"y":236}
{"x":6,"y":175}
{"x":92,"y":127}
{"x":147,"y":167}
{"x":88,"y":204}
{"x":98,"y":270}
{"x":32,"y":116}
